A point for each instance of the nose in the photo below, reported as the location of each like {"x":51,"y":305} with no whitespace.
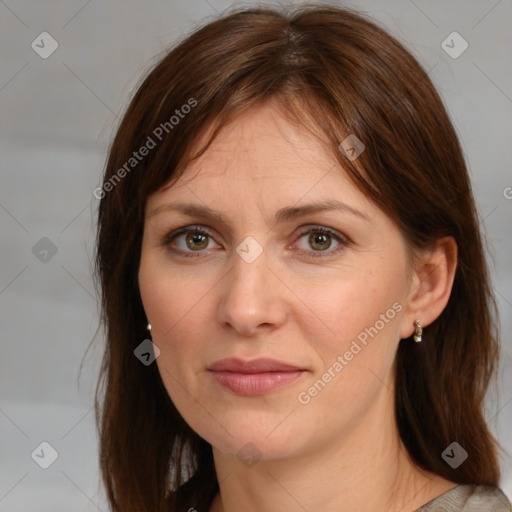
{"x":252,"y":297}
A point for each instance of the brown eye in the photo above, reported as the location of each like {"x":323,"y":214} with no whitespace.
{"x":196,"y":241}
{"x":188,"y":240}
{"x":319,"y":240}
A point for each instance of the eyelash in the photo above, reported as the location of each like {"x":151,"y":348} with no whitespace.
{"x":343,"y":241}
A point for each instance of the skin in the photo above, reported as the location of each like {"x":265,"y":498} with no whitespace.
{"x":340,"y":451}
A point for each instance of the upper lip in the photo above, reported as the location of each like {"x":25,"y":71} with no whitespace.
{"x":236,"y":365}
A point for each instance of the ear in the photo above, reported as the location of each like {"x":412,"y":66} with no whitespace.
{"x":431,"y":285}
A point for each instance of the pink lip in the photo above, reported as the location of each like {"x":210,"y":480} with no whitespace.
{"x":250,"y":378}
{"x":234,"y":364}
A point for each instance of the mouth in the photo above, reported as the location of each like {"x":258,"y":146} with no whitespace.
{"x":256,"y":377}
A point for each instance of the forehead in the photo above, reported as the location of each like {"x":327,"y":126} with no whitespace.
{"x":261,"y":157}
{"x":266,"y":138}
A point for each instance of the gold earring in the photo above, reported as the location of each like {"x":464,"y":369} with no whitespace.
{"x":418,"y":332}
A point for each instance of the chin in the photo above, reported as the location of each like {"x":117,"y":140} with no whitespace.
{"x":255,"y":440}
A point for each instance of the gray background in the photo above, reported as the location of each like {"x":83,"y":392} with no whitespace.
{"x":57,"y":117}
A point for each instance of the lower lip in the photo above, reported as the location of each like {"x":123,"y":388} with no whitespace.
{"x":252,"y":384}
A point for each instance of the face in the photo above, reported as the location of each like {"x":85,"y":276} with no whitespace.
{"x":268,"y":276}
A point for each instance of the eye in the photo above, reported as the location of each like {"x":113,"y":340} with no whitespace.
{"x":191,"y":239}
{"x":320,"y":239}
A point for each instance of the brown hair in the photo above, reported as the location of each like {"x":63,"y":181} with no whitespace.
{"x":336,"y":72}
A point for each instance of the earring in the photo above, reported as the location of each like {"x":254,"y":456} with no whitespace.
{"x":418,"y":332}
{"x":149,"y":328}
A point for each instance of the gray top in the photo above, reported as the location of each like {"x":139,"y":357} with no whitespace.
{"x":469,"y":498}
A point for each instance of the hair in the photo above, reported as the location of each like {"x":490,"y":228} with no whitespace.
{"x":333,"y":71}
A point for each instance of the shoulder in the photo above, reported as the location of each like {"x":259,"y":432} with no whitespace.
{"x":469,"y":498}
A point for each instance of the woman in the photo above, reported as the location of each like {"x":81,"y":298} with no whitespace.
{"x":287,"y":210}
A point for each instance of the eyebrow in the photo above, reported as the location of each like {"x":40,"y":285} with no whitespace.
{"x":283,"y":215}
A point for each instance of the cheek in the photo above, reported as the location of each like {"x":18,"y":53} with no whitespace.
{"x":340,"y":310}
{"x":353,"y":328}
{"x":174,"y":308}
{"x":170,"y":306}
{"x":171,"y":299}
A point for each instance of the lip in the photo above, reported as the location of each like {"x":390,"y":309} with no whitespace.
{"x":256,"y":377}
{"x":261,"y":365}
